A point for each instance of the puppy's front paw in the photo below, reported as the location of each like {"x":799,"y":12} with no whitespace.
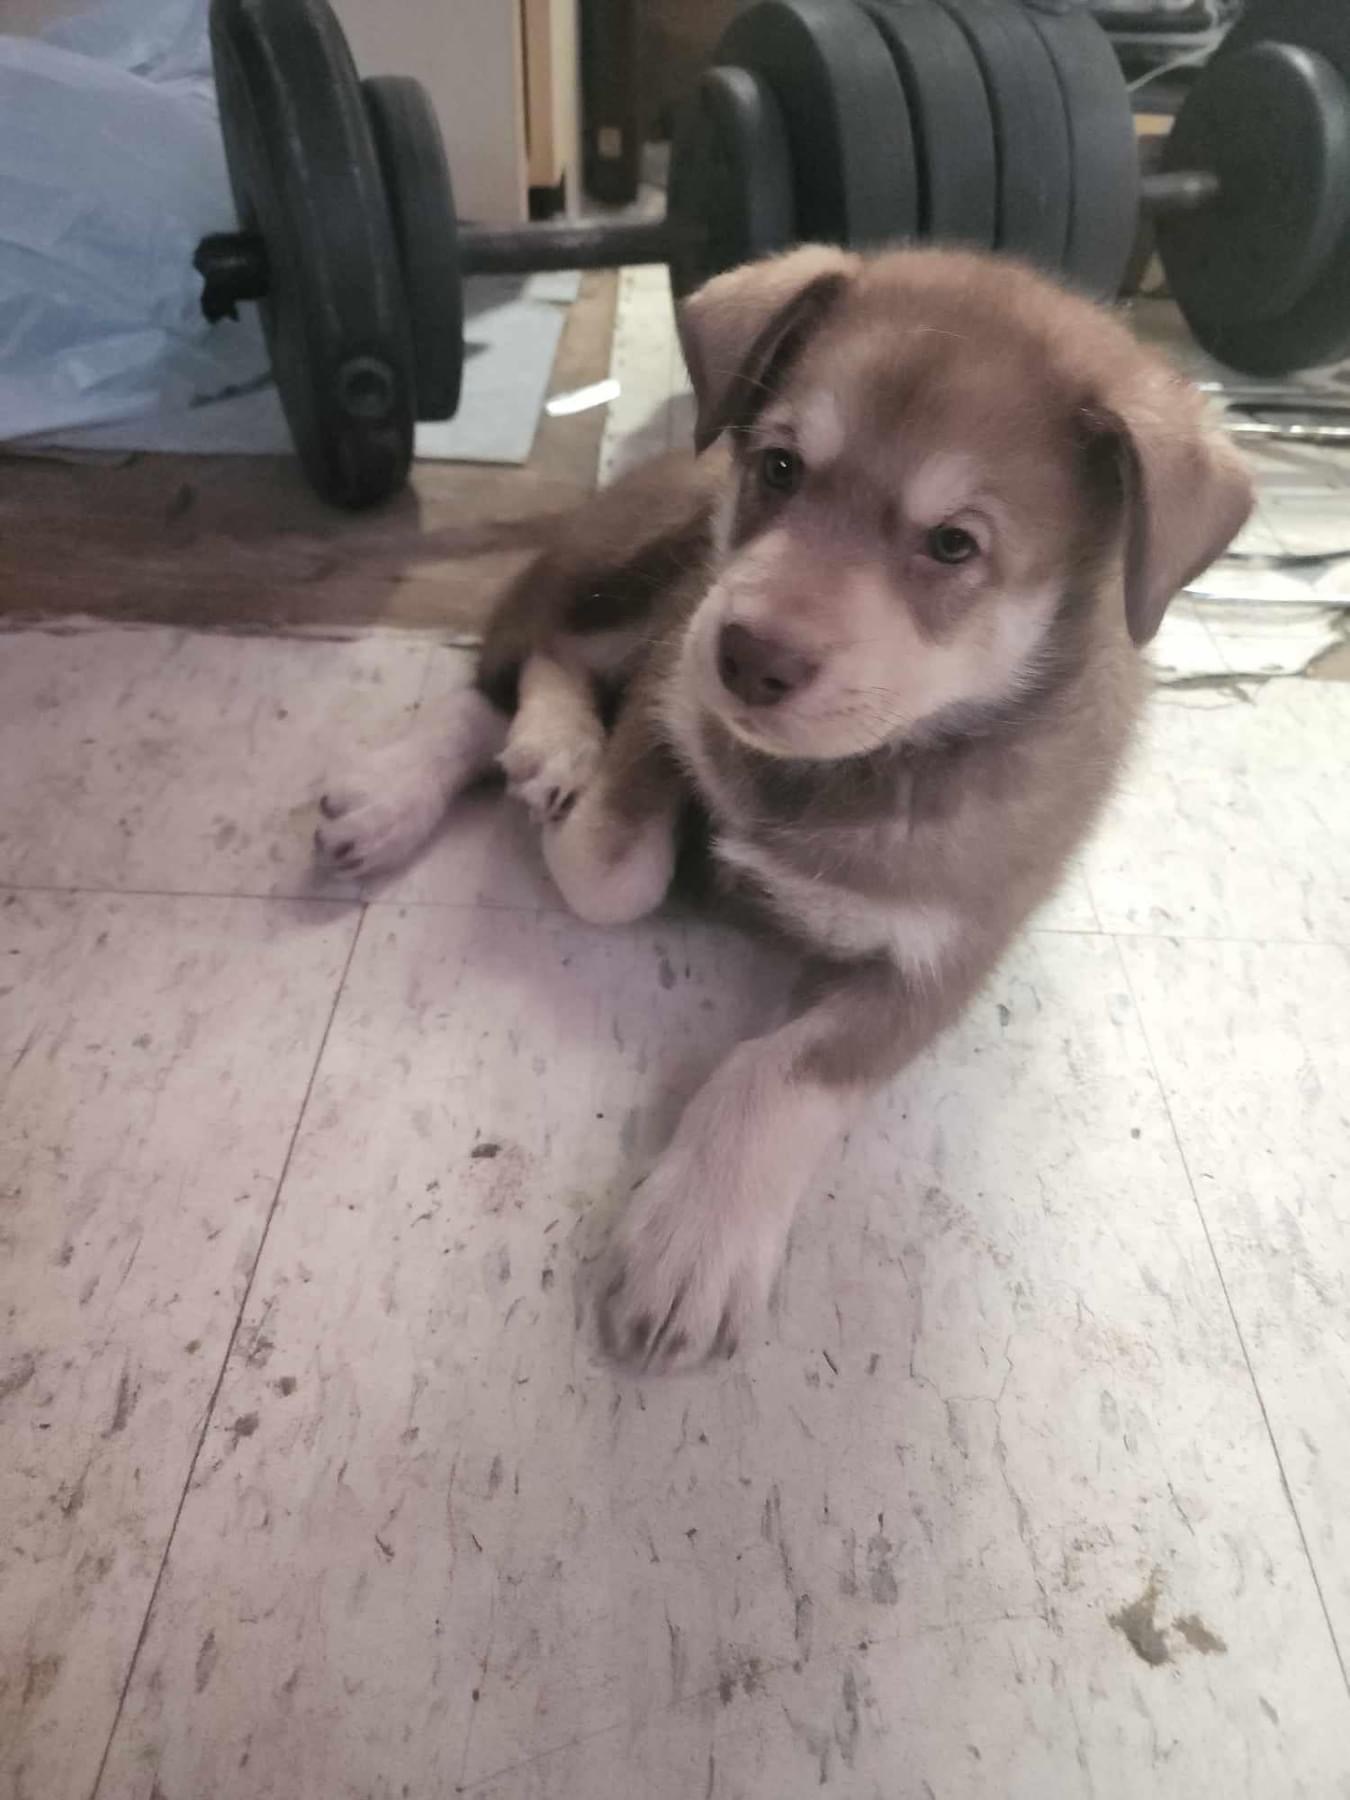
{"x":550,"y":773}
{"x":689,"y":1270}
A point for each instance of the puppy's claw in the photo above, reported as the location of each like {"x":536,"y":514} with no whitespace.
{"x":660,"y":1352}
{"x":689,"y":1271}
{"x":549,"y":778}
{"x":604,"y":1318}
{"x":635,"y":1337}
{"x":369,"y":834}
{"x":560,"y":803}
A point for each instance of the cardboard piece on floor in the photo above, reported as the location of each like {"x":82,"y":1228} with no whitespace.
{"x":511,"y":332}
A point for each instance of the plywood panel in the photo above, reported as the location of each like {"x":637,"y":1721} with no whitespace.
{"x":550,"y":28}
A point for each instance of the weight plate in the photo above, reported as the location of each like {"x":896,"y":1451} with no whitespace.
{"x":847,"y":122}
{"x":953,"y":132}
{"x":1031,"y":133}
{"x":1273,"y":124}
{"x":305,"y":177}
{"x":730,"y":178}
{"x":1321,"y":25}
{"x":1315,"y":328}
{"x":422,"y":211}
{"x":1103,"y":149}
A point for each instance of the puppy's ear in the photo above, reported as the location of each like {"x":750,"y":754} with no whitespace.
{"x":1187,"y":493}
{"x":742,"y":328}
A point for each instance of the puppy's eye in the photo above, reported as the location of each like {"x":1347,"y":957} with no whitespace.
{"x":951,"y":544}
{"x":780,"y":470}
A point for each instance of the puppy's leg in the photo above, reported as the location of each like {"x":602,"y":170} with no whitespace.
{"x":556,"y":740}
{"x":385,"y":808}
{"x":609,"y":868}
{"x":700,"y":1241}
{"x":613,"y":854}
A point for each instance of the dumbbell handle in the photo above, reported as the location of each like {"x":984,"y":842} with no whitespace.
{"x":1179,"y":190}
{"x":569,"y":244}
{"x":233,"y":264}
{"x":233,"y":267}
{"x":600,"y":244}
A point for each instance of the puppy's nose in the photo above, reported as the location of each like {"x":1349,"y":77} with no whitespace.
{"x":760,"y":670}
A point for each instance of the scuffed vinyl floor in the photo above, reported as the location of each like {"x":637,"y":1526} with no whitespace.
{"x":1036,"y":1485}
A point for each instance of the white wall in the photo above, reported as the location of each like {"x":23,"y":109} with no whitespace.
{"x":467,"y":53}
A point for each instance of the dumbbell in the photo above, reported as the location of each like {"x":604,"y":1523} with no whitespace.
{"x":348,"y":237}
{"x":999,"y":123}
{"x":1253,"y":204}
{"x":1008,"y":124}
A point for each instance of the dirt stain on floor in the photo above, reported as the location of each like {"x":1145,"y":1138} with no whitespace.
{"x":1199,"y":1636}
{"x":1138,"y":1625}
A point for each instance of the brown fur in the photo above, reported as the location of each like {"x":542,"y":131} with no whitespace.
{"x":606,"y":571}
{"x":982,"y":809}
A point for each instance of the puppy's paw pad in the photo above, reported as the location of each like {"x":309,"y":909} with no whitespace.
{"x":550,"y":777}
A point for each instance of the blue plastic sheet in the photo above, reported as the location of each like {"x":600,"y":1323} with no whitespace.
{"x":163,"y":40}
{"x":111,"y":170}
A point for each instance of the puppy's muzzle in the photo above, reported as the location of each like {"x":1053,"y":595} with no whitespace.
{"x":760,"y":670}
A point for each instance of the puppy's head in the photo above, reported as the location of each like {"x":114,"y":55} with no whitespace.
{"x":939,"y":462}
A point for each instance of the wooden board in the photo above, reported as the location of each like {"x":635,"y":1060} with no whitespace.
{"x":242,"y":541}
{"x":549,"y":30}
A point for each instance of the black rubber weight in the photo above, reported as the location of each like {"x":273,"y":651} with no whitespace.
{"x":953,"y":132}
{"x":305,"y":176}
{"x":1103,"y":148}
{"x":421,"y":200}
{"x":730,"y":177}
{"x":1315,"y":330}
{"x":847,"y":121}
{"x":1031,"y":134}
{"x":1284,"y":184}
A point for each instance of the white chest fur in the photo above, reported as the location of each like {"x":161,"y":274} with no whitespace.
{"x":918,"y":938}
{"x":829,"y":915}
